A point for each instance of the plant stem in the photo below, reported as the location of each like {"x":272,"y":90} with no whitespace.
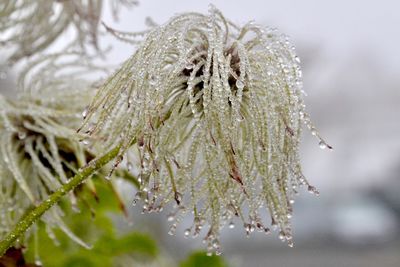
{"x":33,"y":215}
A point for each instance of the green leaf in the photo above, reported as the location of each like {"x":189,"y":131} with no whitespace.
{"x":200,"y":259}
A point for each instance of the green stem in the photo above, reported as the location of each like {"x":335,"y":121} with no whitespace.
{"x":33,"y":215}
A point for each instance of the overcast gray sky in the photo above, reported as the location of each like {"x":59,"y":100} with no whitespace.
{"x":339,"y":27}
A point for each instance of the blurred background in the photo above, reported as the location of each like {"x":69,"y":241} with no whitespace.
{"x":351,"y":65}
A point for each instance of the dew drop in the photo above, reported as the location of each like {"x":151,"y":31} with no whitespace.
{"x":22,"y":135}
{"x":249,"y":228}
{"x":170,"y":217}
{"x":231,"y":225}
{"x":313,"y":131}
{"x":86,"y":142}
{"x":189,"y":66}
{"x":85,"y":112}
{"x":172,"y":230}
{"x":240,"y":118}
{"x":281,"y":236}
{"x":322,"y":145}
{"x":239,"y":84}
{"x":129,"y":166}
{"x":186,"y":233}
{"x":313,"y":190}
{"x":215,"y":243}
{"x":38,"y":262}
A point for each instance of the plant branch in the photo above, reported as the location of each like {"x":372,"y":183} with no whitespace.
{"x":33,"y":215}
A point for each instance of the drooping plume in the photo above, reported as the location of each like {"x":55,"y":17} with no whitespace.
{"x":211,"y":114}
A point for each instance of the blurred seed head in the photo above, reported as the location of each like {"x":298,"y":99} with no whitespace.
{"x":30,"y":26}
{"x":39,"y":147}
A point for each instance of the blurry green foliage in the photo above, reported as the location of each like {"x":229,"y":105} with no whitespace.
{"x":200,"y":259}
{"x":94,"y":225}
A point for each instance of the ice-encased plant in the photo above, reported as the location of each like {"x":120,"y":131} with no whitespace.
{"x":29,"y":26}
{"x":39,"y":147}
{"x":215,"y":113}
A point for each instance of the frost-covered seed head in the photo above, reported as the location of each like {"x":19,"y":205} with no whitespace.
{"x":215,"y":112}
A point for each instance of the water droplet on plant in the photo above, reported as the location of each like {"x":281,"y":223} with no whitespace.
{"x":86,"y":141}
{"x":215,"y":243}
{"x":189,"y":66}
{"x":322,"y":145}
{"x":249,"y":228}
{"x":231,"y":225}
{"x":129,"y":166}
{"x":38,"y":262}
{"x":172,"y":230}
{"x":239,"y":84}
{"x":85,"y":113}
{"x":313,"y":190}
{"x":281,"y":236}
{"x":22,"y":135}
{"x":186,"y":233}
{"x":170,"y":217}
{"x":313,"y":131}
